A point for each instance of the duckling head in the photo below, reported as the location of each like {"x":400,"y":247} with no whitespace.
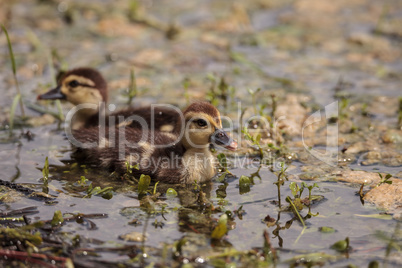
{"x":203,"y":126}
{"x":79,"y":86}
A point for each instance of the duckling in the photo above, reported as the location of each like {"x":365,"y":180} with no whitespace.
{"x":87,"y":86}
{"x":163,"y":156}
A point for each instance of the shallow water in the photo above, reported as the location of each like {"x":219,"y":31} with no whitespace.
{"x":280,"y":47}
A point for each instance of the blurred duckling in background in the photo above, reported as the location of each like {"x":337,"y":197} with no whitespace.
{"x":161,"y":155}
{"x":87,"y":86}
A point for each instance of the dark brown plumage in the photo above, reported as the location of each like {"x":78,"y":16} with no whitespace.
{"x":163,"y":156}
{"x":87,"y":86}
{"x":94,"y":75}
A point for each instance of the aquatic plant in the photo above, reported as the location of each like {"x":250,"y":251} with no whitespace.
{"x":255,"y":140}
{"x":57,"y":218}
{"x":223,"y":164}
{"x":171,"y":192}
{"x":385,"y":179}
{"x":132,"y":89}
{"x":244,"y":184}
{"x":341,"y":245}
{"x":45,"y":178}
{"x":253,"y":94}
{"x":219,"y":91}
{"x":129,"y":167}
{"x":280,"y":181}
{"x":97,"y":190}
{"x":143,"y":184}
{"x":297,"y":192}
{"x":221,"y":229}
{"x":274,"y":100}
{"x":296,"y":206}
{"x":343,"y":105}
{"x":14,"y":69}
{"x":87,"y":186}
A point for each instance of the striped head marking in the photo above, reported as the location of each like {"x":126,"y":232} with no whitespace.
{"x":78,"y":86}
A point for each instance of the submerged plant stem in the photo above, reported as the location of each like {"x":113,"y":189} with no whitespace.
{"x":295,"y":211}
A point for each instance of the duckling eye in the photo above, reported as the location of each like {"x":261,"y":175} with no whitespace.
{"x":74,"y":83}
{"x":201,"y":122}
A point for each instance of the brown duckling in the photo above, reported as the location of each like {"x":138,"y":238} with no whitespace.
{"x":86,"y":88}
{"x":163,"y":156}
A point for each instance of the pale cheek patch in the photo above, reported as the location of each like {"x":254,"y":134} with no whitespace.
{"x":167,"y":128}
{"x":82,"y":95}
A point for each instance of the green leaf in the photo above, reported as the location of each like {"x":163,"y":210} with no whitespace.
{"x":57,"y":218}
{"x":10,"y":50}
{"x":376,"y":216}
{"x":45,"y":172}
{"x":294,"y":188}
{"x":221,"y":229}
{"x":156,"y":185}
{"x":341,"y":245}
{"x":326,"y":229}
{"x":257,"y":138}
{"x":171,"y":192}
{"x":222,"y":177}
{"x":222,"y":160}
{"x":143,"y":184}
{"x":83,"y":181}
{"x":244,"y":180}
{"x":244,"y":184}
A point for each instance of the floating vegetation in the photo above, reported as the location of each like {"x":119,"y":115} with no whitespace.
{"x":221,"y":229}
{"x":220,"y":92}
{"x":171,"y":192}
{"x":255,"y":140}
{"x":342,"y":245}
{"x":143,"y":184}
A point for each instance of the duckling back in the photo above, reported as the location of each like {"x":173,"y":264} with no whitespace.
{"x":158,"y":154}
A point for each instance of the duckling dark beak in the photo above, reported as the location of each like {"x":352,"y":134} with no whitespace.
{"x":221,"y":138}
{"x":53,"y":94}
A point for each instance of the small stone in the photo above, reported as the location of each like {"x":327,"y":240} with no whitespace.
{"x":386,"y":196}
{"x":45,"y":119}
{"x":134,"y":237}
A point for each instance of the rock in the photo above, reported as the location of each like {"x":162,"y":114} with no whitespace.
{"x":359,"y":177}
{"x":290,"y":116}
{"x":134,"y":237}
{"x":386,"y":196}
{"x":392,"y":136}
{"x":45,"y":119}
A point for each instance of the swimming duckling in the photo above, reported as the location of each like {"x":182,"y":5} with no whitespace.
{"x":161,"y":155}
{"x":86,"y":88}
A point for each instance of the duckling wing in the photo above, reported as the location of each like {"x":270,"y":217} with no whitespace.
{"x":158,"y":154}
{"x":155,"y":118}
